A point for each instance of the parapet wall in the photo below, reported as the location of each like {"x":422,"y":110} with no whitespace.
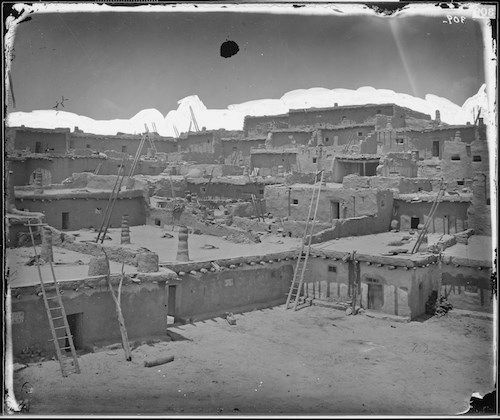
{"x":354,"y":226}
{"x":402,"y":185}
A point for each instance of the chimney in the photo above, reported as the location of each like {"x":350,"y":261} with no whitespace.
{"x":438,"y":116}
{"x":336,"y":104}
{"x":389,"y":124}
{"x":467,"y":123}
{"x":457,"y":136}
{"x":481,"y":121}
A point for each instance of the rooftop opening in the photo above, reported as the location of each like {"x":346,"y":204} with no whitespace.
{"x":476,"y":158}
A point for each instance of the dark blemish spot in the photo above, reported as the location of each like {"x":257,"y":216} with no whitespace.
{"x":298,"y":5}
{"x":387,"y":8}
{"x":443,"y":6}
{"x":228,"y":49}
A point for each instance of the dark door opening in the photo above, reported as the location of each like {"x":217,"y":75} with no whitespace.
{"x":375,"y":296}
{"x":38,"y":147}
{"x":435,"y":148}
{"x":65,"y":221}
{"x":446,"y":225}
{"x":415,"y":221}
{"x":75,"y":322}
{"x":334,"y":210}
{"x":171,"y":304}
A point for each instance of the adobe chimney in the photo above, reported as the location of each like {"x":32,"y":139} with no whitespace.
{"x":438,"y":116}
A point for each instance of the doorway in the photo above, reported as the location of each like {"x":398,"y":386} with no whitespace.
{"x":75,"y":322}
{"x":334,"y":210}
{"x":375,"y":296}
{"x":446,"y":225}
{"x":414,"y":222}
{"x":65,"y":221}
{"x":38,"y":147}
{"x":171,"y":304}
{"x":435,"y":148}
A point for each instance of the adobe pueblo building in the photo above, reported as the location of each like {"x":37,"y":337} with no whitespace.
{"x":372,"y":207}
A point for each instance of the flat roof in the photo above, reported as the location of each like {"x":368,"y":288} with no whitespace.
{"x":477,"y":250}
{"x":74,"y":193}
{"x":293,"y":151}
{"x":429,"y":197}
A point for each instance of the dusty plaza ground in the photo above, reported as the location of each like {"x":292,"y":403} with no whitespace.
{"x":315,"y":361}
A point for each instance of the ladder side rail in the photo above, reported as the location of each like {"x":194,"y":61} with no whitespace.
{"x":137,"y":156}
{"x":427,"y":224}
{"x":106,"y":227}
{"x":120,"y":170}
{"x":308,"y":250}
{"x":294,"y":281}
{"x":421,"y":234}
{"x":430,"y":216}
{"x":65,"y":320}
{"x":46,"y":303}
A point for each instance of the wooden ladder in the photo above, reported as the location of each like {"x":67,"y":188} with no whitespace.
{"x":300,"y":268}
{"x":430,"y":218}
{"x":56,"y":314}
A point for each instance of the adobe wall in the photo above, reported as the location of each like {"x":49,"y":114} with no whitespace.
{"x":342,"y":168}
{"x":399,"y":164}
{"x":292,"y":139}
{"x":292,"y":228}
{"x":225,"y":190}
{"x":201,"y":296}
{"x":83,"y":212}
{"x":129,"y":144}
{"x":479,"y":213}
{"x":237,"y":151}
{"x":62,"y":167}
{"x":404,"y":291}
{"x":54,"y":141}
{"x":143,"y":306}
{"x":268,"y":163}
{"x":341,"y":137}
{"x":254,"y":126}
{"x":352,"y":203}
{"x":401,"y":185}
{"x":456,"y":219}
{"x":466,"y":287}
{"x":311,"y":117}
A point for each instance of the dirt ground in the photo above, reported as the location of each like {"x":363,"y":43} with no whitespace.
{"x":314,"y":361}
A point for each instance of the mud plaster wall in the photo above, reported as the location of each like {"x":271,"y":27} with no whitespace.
{"x":254,"y":126}
{"x":354,"y":226}
{"x":203,"y":296}
{"x":237,"y":152}
{"x":201,"y":143}
{"x":223,"y":190}
{"x":351,"y":203}
{"x":399,"y":165}
{"x":83,"y":213}
{"x":404,"y":291}
{"x":295,"y":228}
{"x":341,"y":137}
{"x":268,"y":164}
{"x":63,"y":167}
{"x":423,"y":141}
{"x":292,"y":139}
{"x":473,"y":159}
{"x":120,"y":144}
{"x":456,"y":219}
{"x":143,"y":307}
{"x":398,"y":184}
{"x":464,"y":286}
{"x":311,"y":117}
{"x":479,"y":213}
{"x":342,"y":168}
{"x":54,"y":141}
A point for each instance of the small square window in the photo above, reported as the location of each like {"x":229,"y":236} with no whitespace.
{"x":476,"y":158}
{"x":488,"y":202}
{"x":400,"y":140}
{"x":295,"y":201}
{"x":460,"y":182}
{"x":88,"y":146}
{"x":124,"y":149}
{"x":455,"y":157}
{"x":360,"y":134}
{"x":327,"y":139}
{"x":332,"y":269}
{"x":315,"y":160}
{"x":203,"y":189}
{"x":157,"y":222}
{"x":261,"y":191}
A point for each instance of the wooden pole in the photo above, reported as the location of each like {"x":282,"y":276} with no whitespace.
{"x":117,"y":300}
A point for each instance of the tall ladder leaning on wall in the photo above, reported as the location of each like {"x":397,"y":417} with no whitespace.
{"x":58,"y":322}
{"x":300,"y":268}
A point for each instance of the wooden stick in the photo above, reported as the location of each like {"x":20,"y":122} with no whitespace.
{"x":117,"y":299}
{"x":160,"y":361}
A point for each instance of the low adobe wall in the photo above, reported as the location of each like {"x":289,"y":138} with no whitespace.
{"x":354,"y":226}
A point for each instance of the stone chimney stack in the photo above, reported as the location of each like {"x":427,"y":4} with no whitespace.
{"x":457,"y":136}
{"x":481,"y":121}
{"x":438,"y":116}
{"x":389,"y":124}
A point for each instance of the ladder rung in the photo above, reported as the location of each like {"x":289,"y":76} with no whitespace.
{"x":52,"y":297}
{"x":59,"y":338}
{"x":35,"y":224}
{"x":60,"y":328}
{"x":57,"y":317}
